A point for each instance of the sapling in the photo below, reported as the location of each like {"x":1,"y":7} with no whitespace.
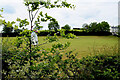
{"x":32,"y":62}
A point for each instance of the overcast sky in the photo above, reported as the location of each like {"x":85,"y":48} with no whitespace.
{"x":86,"y":11}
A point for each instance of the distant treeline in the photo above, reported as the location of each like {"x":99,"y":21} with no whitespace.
{"x":51,"y":33}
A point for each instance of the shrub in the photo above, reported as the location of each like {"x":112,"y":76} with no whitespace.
{"x":6,"y":54}
{"x":44,"y":63}
{"x":100,"y":67}
{"x":70,"y":35}
{"x":62,"y":33}
{"x":52,"y":38}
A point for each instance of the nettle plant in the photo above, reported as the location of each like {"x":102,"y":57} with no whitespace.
{"x":29,"y":61}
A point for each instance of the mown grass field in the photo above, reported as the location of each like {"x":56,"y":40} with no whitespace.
{"x":88,"y":45}
{"x":85,"y":45}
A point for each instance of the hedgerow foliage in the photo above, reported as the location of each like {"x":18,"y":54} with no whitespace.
{"x":100,"y":67}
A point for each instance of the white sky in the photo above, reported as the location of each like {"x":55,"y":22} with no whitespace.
{"x":86,"y":11}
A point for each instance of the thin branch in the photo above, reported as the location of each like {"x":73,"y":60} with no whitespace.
{"x":43,"y":43}
{"x":32,"y":15}
{"x":37,"y":11}
{"x":29,"y":13}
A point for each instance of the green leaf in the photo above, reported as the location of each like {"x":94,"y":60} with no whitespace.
{"x":52,"y":6}
{"x":46,"y":14}
{"x":0,"y":15}
{"x":1,"y":10}
{"x":41,"y":13}
{"x":1,"y":21}
{"x":44,"y":20}
{"x":12,"y":22}
{"x":18,"y":19}
{"x":16,"y":27}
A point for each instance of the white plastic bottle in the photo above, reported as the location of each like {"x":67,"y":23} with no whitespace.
{"x":34,"y":38}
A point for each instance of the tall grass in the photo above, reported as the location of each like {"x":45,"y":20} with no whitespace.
{"x":106,"y":50}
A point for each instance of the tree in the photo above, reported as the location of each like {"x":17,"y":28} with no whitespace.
{"x":66,"y":27}
{"x":105,"y":27}
{"x":7,"y":26}
{"x":92,"y":27}
{"x":35,"y":6}
{"x":53,"y":25}
{"x":85,"y":27}
{"x":99,"y":27}
{"x":25,"y":57}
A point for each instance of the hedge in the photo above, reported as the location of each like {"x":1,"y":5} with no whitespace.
{"x":46,"y":32}
{"x":100,"y":67}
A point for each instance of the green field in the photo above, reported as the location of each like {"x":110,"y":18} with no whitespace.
{"x":85,"y":45}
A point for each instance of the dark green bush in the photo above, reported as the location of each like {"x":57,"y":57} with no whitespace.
{"x":70,"y":35}
{"x":100,"y":67}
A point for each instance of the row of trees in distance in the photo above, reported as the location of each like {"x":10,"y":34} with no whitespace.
{"x":96,"y":27}
{"x":92,"y":27}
